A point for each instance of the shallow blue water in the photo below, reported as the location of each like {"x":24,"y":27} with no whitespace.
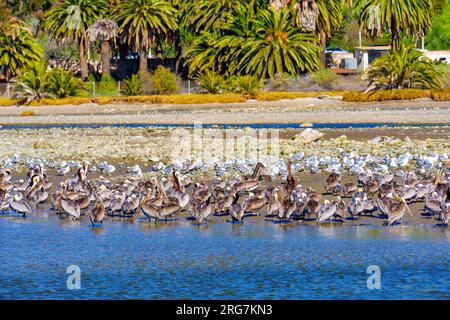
{"x":256,"y":260}
{"x":226,"y":126}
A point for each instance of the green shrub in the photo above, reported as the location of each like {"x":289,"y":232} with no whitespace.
{"x":325,"y":78}
{"x":164,"y":81}
{"x":107,"y":86}
{"x":63,"y":84}
{"x":249,"y":85}
{"x":132,"y":86}
{"x":405,"y":68}
{"x":145,"y":79}
{"x":280,"y":83}
{"x":34,"y":83}
{"x":444,"y":70}
{"x":211,"y":82}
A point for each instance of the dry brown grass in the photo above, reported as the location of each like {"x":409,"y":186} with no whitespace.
{"x":351,"y":96}
{"x":274,"y":96}
{"x":27,"y":113}
{"x":441,"y":95}
{"x":403,"y":94}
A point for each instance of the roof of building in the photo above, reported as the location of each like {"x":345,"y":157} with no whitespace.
{"x":374,"y":48}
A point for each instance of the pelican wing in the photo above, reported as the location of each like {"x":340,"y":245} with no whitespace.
{"x":327,"y":212}
{"x":20,"y":206}
{"x":70,"y":209}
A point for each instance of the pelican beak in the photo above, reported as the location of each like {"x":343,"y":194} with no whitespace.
{"x":409,"y":210}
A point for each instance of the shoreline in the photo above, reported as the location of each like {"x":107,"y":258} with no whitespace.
{"x":309,"y":110}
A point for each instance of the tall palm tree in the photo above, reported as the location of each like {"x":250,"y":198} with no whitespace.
{"x":70,"y":20}
{"x":141,"y":22}
{"x":262,"y":44}
{"x":328,"y":20}
{"x":275,"y":46}
{"x":17,"y":47}
{"x":407,"y":17}
{"x":105,"y":31}
{"x":322,"y":17}
{"x":208,"y":15}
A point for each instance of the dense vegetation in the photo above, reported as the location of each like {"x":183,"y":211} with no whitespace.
{"x":228,"y":45}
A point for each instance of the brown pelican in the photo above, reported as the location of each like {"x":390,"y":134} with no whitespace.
{"x":397,"y":210}
{"x":333,"y":182}
{"x":19,"y":205}
{"x":224,"y":203}
{"x":247,"y":185}
{"x":150,"y":211}
{"x":371,"y":186}
{"x":253,"y":204}
{"x":98,"y":213}
{"x":237,"y":212}
{"x":286,"y":207}
{"x":433,"y":203}
{"x":349,"y":188}
{"x":327,"y":211}
{"x":5,"y":176}
{"x":445,"y":213}
{"x":70,"y":207}
{"x":312,"y":206}
{"x":290,"y":181}
{"x":130,"y":205}
{"x":202,"y":211}
{"x":40,"y":196}
{"x":356,"y":207}
{"x":273,"y":204}
{"x":341,"y":209}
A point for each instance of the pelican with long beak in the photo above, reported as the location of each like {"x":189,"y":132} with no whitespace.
{"x":397,"y":210}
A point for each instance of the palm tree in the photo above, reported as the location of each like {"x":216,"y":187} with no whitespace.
{"x":17,"y":47}
{"x":33,"y":83}
{"x":105,"y":31}
{"x":261,"y":44}
{"x":276,"y":46}
{"x":322,"y":17}
{"x":328,"y":20}
{"x":70,"y":20}
{"x":141,"y":22}
{"x":404,"y":68}
{"x":407,"y":17}
{"x":210,"y":15}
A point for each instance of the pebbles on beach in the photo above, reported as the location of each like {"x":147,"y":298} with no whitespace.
{"x":148,"y":145}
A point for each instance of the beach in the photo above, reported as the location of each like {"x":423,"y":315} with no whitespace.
{"x":311,"y":110}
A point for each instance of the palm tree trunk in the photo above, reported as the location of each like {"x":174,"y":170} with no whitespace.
{"x":323,"y":45}
{"x":395,"y":41}
{"x":395,"y":36}
{"x":83,"y":60}
{"x":143,"y":62}
{"x":106,"y":63}
{"x":178,"y":51}
{"x":123,"y":66}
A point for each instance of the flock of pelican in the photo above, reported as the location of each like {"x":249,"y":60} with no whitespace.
{"x":241,"y":197}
